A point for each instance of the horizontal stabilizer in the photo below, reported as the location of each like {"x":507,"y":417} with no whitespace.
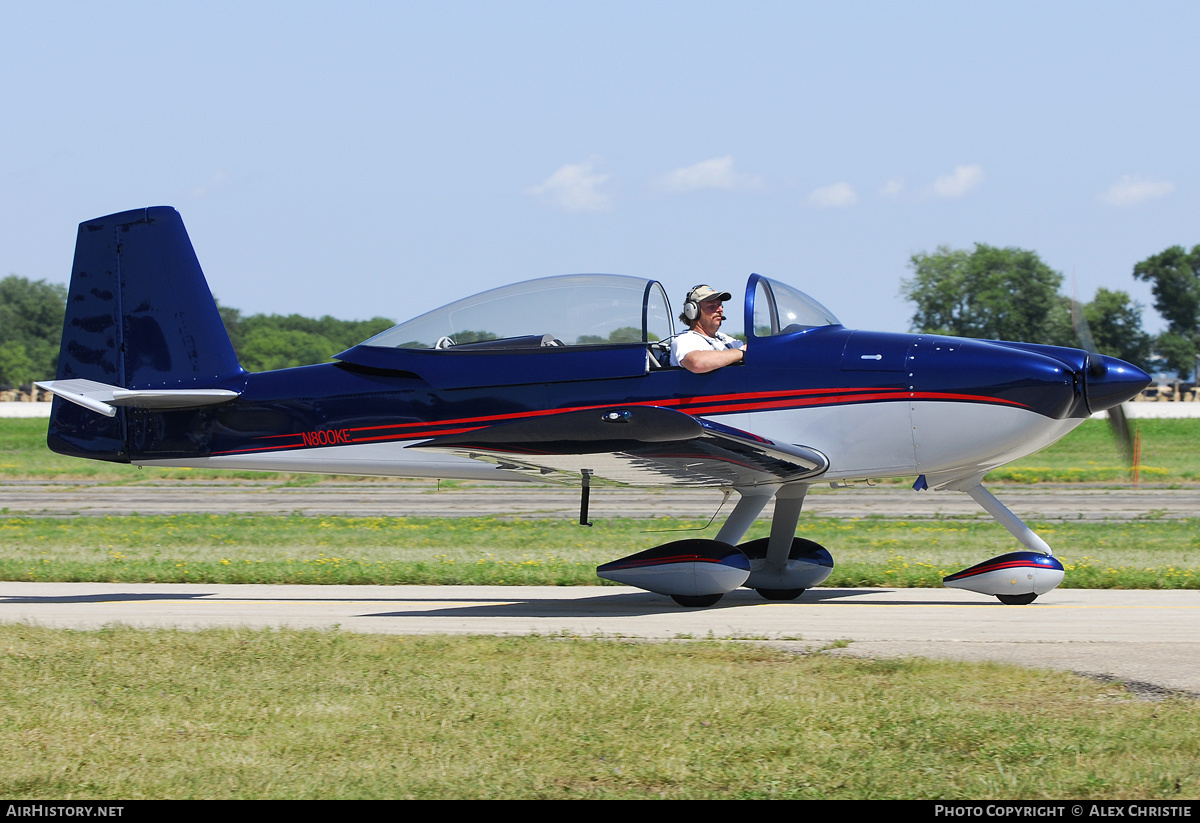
{"x":103,"y":398}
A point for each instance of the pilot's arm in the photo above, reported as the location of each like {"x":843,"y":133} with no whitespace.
{"x":706,"y":361}
{"x":696,"y":353}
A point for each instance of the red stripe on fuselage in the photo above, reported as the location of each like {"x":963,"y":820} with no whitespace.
{"x":714,"y":404}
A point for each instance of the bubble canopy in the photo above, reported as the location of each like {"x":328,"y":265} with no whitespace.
{"x":568,"y":310}
{"x":587,"y":310}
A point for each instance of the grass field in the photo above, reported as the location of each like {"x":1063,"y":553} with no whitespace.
{"x":128,"y":714}
{"x":491,"y":551}
{"x":1170,"y":454}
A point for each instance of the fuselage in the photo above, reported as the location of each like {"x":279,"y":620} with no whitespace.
{"x":876,"y":404}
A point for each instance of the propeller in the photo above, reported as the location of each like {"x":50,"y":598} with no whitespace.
{"x":1118,"y":421}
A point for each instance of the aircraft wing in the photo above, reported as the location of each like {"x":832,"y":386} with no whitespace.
{"x":635,"y":445}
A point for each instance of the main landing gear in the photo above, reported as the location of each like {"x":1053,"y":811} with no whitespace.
{"x":808,"y":564}
{"x":805,"y":558}
{"x":698,"y":573}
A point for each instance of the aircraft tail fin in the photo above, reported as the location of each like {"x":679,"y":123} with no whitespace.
{"x":140,"y":317}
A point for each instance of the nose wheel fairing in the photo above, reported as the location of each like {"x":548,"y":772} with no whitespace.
{"x":1016,"y":578}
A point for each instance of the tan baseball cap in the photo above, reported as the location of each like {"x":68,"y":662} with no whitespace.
{"x":702,"y":294}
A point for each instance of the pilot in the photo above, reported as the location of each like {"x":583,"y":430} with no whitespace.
{"x":703,"y":348}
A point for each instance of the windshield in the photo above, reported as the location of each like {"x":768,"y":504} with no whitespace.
{"x":780,"y":309}
{"x":570,"y":310}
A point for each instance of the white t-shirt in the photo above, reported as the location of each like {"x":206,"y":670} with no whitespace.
{"x":695,"y":340}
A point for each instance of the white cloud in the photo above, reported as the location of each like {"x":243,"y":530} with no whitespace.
{"x":714,"y":173}
{"x":1131,"y":189}
{"x":212,"y":184}
{"x":892,"y":188}
{"x":961,"y":181}
{"x":837,"y":196}
{"x":574,"y":187}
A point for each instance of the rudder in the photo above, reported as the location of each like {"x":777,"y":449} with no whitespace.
{"x":139,"y":316}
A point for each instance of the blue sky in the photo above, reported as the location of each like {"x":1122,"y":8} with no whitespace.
{"x":384,"y":158}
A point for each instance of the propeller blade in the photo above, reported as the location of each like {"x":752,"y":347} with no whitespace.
{"x":1080,"y":324}
{"x":1121,"y":427}
{"x":1117,"y":421}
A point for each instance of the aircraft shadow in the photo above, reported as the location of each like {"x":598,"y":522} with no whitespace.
{"x":620,"y":603}
{"x":101,"y":598}
{"x":880,"y":598}
{"x":636,"y":604}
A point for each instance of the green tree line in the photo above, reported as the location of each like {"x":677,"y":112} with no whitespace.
{"x":274,"y":341}
{"x":1010,"y":294}
{"x":31,"y":321}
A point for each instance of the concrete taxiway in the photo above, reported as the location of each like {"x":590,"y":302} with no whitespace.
{"x":403,"y":498}
{"x":1147,"y":638}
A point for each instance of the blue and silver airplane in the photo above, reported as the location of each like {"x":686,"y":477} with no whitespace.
{"x":568,"y":379}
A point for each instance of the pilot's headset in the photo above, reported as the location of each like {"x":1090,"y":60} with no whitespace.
{"x":697,"y":295}
{"x":691,"y":306}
